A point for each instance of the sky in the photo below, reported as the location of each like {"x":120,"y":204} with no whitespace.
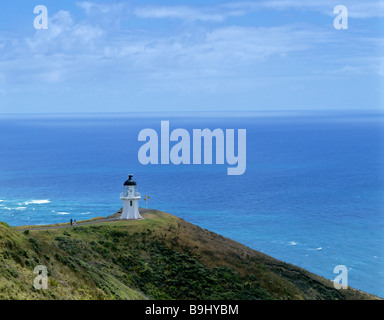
{"x":201,"y":55}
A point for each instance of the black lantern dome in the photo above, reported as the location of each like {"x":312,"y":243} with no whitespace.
{"x":130,"y":182}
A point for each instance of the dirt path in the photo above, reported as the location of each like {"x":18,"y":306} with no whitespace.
{"x":68,"y":225}
{"x":113,"y":218}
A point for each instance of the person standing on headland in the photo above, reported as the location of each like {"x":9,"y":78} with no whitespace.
{"x":71,"y":221}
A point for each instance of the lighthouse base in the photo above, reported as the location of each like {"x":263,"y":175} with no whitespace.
{"x":130,"y":210}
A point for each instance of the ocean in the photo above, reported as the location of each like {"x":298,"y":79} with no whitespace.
{"x":312,"y":194}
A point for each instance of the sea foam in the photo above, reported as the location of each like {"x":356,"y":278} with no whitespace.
{"x":37,"y":202}
{"x":17,"y":208}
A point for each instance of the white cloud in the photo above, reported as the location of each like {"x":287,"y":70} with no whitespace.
{"x":64,"y":35}
{"x":187,"y":13}
{"x":360,"y":66}
{"x":92,"y":8}
{"x":88,"y":51}
{"x":356,"y":8}
{"x":219,"y":13}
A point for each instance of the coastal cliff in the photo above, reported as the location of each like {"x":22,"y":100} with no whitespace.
{"x":160,"y":257}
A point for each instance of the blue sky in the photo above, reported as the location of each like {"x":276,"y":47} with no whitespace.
{"x":134,"y":56}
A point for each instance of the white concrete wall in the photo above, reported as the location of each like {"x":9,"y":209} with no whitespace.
{"x":130,"y":212}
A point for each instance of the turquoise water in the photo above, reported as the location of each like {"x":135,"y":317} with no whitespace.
{"x":312,"y":194}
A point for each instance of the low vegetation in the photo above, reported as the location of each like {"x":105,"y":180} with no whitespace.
{"x":161,"y":257}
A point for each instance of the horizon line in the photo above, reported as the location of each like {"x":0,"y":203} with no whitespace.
{"x":260,"y":111}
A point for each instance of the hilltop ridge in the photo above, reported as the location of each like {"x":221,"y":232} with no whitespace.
{"x":160,"y":257}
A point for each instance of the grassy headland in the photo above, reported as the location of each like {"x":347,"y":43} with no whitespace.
{"x":161,"y":257}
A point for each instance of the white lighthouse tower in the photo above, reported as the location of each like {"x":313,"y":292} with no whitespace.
{"x":130,"y":197}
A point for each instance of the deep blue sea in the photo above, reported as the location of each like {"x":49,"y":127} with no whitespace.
{"x":312,"y":194}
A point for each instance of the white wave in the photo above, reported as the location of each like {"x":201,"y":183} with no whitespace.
{"x":317,"y":249}
{"x":292,"y":243}
{"x":17,"y":208}
{"x":37,"y":202}
{"x":85,"y":213}
{"x":63,"y":213}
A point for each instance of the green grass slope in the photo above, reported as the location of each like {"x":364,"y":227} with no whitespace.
{"x":161,"y":257}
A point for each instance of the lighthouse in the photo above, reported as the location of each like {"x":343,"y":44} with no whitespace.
{"x":130,"y":197}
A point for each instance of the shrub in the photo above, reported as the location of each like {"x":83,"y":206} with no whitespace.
{"x":35,"y":244}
